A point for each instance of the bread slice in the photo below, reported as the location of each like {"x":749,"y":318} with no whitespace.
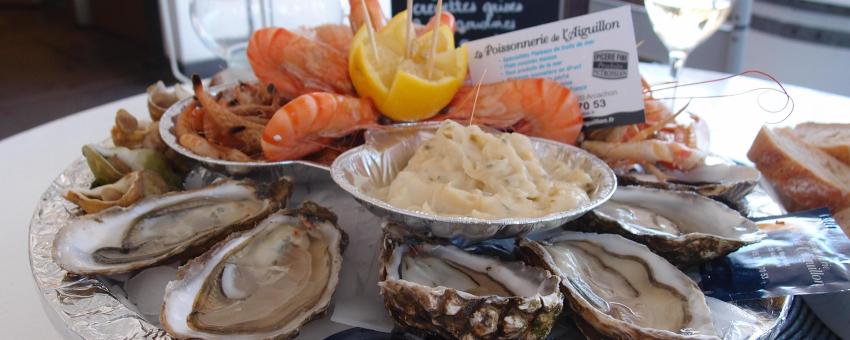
{"x":804,"y":177}
{"x":843,"y":219}
{"x":833,"y":139}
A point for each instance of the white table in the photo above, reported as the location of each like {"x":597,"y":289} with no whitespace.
{"x":33,"y":158}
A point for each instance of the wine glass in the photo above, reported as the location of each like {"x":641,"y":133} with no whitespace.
{"x":683,"y":24}
{"x":225,"y":26}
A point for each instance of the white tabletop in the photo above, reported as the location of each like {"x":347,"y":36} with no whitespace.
{"x":32,"y":159}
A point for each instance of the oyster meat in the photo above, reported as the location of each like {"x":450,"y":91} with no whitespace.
{"x":619,"y":289}
{"x":259,"y":284}
{"x":159,"y":228}
{"x":728,"y":183}
{"x":683,"y":227}
{"x":440,"y":290}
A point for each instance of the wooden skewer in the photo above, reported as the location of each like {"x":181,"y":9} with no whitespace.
{"x":475,"y":99}
{"x":371,"y":30}
{"x":435,"y":39}
{"x":408,"y":41}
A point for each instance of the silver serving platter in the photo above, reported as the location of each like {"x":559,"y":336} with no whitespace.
{"x":387,"y":150}
{"x":101,"y":308}
{"x":166,"y":130}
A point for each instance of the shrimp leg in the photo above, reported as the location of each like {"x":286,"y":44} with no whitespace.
{"x":230,"y":129}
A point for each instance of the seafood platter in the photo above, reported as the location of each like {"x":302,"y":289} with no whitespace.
{"x":360,"y":172}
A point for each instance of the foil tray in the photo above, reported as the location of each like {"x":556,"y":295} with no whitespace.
{"x":361,"y":170}
{"x":102,"y":308}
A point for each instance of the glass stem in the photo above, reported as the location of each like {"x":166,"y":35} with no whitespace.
{"x":677,"y":61}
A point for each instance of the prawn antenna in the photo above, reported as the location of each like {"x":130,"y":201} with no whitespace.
{"x":436,"y":38}
{"x":475,"y":98}
{"x":371,"y":30}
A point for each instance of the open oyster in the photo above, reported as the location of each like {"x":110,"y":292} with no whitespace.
{"x":156,"y":229}
{"x":728,"y":183}
{"x":443,"y":291}
{"x":260,"y":284}
{"x":683,"y":227}
{"x":127,"y":190}
{"x":619,"y":289}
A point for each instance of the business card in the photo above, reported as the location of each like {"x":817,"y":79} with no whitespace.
{"x":594,"y":55}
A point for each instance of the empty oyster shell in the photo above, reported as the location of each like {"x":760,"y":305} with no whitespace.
{"x":259,"y":284}
{"x":443,"y":291}
{"x":728,"y":183}
{"x":619,"y":289}
{"x":156,"y":229}
{"x":129,"y":189}
{"x":683,"y":227}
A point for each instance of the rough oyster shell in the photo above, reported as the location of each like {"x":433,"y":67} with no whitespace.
{"x":129,"y":189}
{"x":156,"y":229}
{"x":262,"y":283}
{"x":728,"y":183}
{"x":683,"y":227}
{"x":473,"y":297}
{"x":619,"y":289}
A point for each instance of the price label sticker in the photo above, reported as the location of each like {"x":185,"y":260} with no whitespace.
{"x":594,"y":55}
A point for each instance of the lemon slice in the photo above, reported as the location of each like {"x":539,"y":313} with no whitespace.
{"x":400,"y":87}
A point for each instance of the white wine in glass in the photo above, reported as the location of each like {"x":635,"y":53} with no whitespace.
{"x":683,"y":24}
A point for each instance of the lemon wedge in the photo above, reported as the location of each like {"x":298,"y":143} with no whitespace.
{"x":400,"y":87}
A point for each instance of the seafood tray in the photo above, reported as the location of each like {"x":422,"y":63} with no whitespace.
{"x":106,"y":307}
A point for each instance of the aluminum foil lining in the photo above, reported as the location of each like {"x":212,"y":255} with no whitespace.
{"x":166,"y":130}
{"x":386,"y":152}
{"x":100,"y":308}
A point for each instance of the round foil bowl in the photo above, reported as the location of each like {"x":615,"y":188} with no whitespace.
{"x":362,"y":170}
{"x":166,"y":130}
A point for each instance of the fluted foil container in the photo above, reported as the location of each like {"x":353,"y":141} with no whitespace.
{"x":362,"y":170}
{"x":166,"y":130}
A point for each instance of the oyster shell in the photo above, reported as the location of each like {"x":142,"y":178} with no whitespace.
{"x":619,"y":289}
{"x":728,"y":183}
{"x":262,"y":283}
{"x":683,"y":227}
{"x":156,"y":229}
{"x":443,"y":291}
{"x":129,"y":189}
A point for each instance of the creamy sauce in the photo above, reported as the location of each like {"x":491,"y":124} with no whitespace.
{"x":639,"y":218}
{"x":463,"y":171}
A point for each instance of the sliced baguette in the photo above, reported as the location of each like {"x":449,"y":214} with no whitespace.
{"x":804,"y":177}
{"x":833,"y":139}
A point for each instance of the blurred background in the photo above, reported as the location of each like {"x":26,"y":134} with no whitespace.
{"x":63,"y":56}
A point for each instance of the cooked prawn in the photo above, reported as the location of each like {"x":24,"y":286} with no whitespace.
{"x":673,"y":154}
{"x":357,"y":17}
{"x":535,"y":106}
{"x":312,"y":121}
{"x":337,"y":36}
{"x":296,"y":64}
{"x":225,"y":127}
{"x":184,"y":129}
{"x":446,"y":19}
